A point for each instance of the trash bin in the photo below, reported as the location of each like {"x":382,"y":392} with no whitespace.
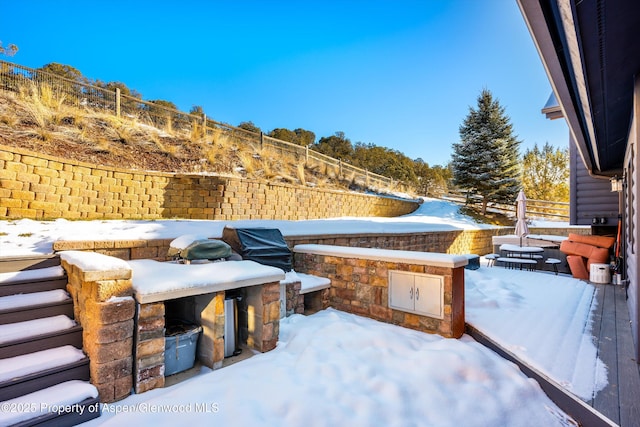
{"x":180,"y":342}
{"x":599,"y":273}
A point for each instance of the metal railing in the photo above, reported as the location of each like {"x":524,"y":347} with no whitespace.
{"x":545,"y":209}
{"x":15,"y":78}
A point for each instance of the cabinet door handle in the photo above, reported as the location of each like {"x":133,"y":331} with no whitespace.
{"x":410,"y":293}
{"x":417,"y":294}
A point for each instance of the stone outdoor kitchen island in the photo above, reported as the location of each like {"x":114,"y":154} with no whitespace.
{"x":122,"y":307}
{"x":417,"y":290}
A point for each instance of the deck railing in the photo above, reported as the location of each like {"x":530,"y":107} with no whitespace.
{"x":546,"y":209}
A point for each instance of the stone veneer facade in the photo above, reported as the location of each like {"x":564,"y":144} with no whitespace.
{"x":361,"y":286}
{"x":37,"y":186}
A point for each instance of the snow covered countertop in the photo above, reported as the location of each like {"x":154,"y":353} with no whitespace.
{"x":154,"y":281}
{"x":410,"y":257}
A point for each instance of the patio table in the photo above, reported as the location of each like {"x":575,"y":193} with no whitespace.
{"x":531,"y":252}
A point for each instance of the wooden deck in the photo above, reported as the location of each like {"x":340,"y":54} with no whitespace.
{"x":620,"y":400}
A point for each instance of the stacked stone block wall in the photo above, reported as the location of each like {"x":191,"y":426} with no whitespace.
{"x":361,"y":286}
{"x":449,"y":242}
{"x":149,"y":347}
{"x":37,"y":186}
{"x":105,"y":309}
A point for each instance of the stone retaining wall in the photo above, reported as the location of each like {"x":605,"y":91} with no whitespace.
{"x":37,"y":186}
{"x":448,"y":242}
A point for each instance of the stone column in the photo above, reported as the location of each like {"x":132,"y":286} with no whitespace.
{"x":263,"y":309}
{"x":149,"y":347}
{"x":294,"y":299}
{"x":104,"y":307}
{"x":209,"y":313}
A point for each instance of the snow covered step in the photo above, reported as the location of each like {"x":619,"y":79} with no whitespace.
{"x":32,"y":328}
{"x":66,"y":404}
{"x":22,"y":307}
{"x":310,"y":283}
{"x":39,"y":334}
{"x":27,"y":373}
{"x":35,"y":280}
{"x":28,"y":262}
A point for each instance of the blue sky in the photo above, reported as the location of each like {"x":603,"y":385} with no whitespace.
{"x":399,"y":74}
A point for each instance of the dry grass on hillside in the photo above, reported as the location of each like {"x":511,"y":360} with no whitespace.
{"x":39,"y":121}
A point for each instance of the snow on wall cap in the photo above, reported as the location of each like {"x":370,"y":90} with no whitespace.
{"x":409,"y":257}
{"x":93,"y":261}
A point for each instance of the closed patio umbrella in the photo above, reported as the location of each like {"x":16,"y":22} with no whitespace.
{"x":521,"y":214}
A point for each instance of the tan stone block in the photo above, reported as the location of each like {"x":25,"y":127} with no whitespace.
{"x":271,"y":312}
{"x":130,"y":243}
{"x":149,"y":373}
{"x":151,"y":310}
{"x":411,"y":320}
{"x":14,"y":166}
{"x":11,"y":203}
{"x":144,"y":253}
{"x":122,"y":387}
{"x":69,"y":245}
{"x":150,"y":347}
{"x":149,"y":335}
{"x":149,"y":361}
{"x":380,"y":312}
{"x":107,"y":372}
{"x":107,"y":275}
{"x":106,"y":392}
{"x":218,"y":301}
{"x":381,"y":281}
{"x":149,"y":384}
{"x":105,"y":313}
{"x":111,"y":333}
{"x":103,"y":353}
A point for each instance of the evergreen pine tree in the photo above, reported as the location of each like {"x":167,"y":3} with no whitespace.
{"x":486,"y":160}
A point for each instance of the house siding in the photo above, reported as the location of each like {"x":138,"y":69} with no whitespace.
{"x":632,"y":175}
{"x":592,"y":197}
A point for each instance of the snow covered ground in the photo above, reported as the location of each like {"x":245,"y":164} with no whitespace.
{"x":332,"y":366}
{"x":336,"y":369}
{"x":28,"y":236}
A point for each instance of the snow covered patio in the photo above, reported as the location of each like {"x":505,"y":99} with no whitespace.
{"x":574,"y":333}
{"x":332,"y":366}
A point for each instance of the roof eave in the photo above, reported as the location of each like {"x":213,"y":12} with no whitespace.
{"x":559,"y":74}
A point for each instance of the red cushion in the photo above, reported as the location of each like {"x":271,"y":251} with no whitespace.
{"x":599,"y":241}
{"x":578,"y":267}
